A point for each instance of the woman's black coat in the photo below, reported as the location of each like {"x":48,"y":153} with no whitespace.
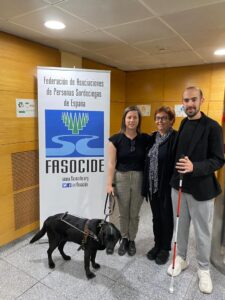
{"x":164,"y":188}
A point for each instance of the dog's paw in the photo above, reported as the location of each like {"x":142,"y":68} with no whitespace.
{"x":51,"y":265}
{"x":90,"y":275}
{"x":96,"y":266}
{"x":67,"y":257}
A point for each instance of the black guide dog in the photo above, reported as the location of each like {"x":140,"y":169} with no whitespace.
{"x":92,"y":235}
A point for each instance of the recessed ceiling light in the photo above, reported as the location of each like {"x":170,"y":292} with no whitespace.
{"x":220,"y":52}
{"x":55,"y":25}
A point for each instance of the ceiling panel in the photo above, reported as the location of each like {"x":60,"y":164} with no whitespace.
{"x":165,"y":7}
{"x":199,"y":19}
{"x":94,"y":40}
{"x":20,"y":31}
{"x":179,"y":58}
{"x":63,"y":45}
{"x":141,"y":31}
{"x":140,"y":60}
{"x":207,"y":54}
{"x":128,"y":34}
{"x":11,"y":8}
{"x":168,"y":45}
{"x":36,"y":20}
{"x":215,"y":38}
{"x":54,"y":1}
{"x":141,"y":64}
{"x":108,"y":12}
{"x":120,"y":52}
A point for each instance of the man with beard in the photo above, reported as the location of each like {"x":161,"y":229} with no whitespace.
{"x":199,"y":153}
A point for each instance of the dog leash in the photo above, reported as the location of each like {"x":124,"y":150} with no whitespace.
{"x":110,"y":200}
{"x":85,"y":232}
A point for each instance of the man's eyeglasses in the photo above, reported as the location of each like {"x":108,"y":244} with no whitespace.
{"x":163,"y":119}
{"x":132,"y":146}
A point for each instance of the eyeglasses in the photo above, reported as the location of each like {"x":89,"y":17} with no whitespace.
{"x":132,"y":146}
{"x":163,"y":119}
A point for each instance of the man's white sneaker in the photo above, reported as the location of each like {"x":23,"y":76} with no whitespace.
{"x":180,"y":265}
{"x":205,"y":282}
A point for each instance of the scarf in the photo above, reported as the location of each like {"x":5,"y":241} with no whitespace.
{"x":153,"y":155}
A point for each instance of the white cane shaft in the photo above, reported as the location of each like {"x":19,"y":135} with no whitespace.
{"x":180,"y":183}
{"x":176,"y":230}
{"x":171,"y":286}
{"x":175,"y":237}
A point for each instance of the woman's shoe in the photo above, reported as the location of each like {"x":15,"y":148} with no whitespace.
{"x":131,"y":248}
{"x":152,"y":254}
{"x":162,"y":257}
{"x":123,"y":247}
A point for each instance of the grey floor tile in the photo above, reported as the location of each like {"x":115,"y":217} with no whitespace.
{"x":194,"y":293}
{"x":24,"y":272}
{"x":119,"y":291}
{"x":70,"y":280}
{"x":32,"y":259}
{"x":144,"y":276}
{"x":41,"y":292}
{"x":112,"y":265}
{"x":13,"y":282}
{"x":218,"y":278}
{"x":15,"y":245}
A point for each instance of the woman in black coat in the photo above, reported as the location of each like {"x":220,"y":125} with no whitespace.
{"x":159,"y":166}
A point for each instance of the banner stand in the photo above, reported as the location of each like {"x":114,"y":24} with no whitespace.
{"x":73,"y":119}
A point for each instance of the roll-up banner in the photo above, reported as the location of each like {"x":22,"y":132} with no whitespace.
{"x":73,"y":118}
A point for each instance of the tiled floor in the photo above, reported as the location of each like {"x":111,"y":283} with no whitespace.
{"x":24,"y":273}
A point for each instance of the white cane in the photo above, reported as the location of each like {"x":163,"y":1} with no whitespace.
{"x":175,"y":238}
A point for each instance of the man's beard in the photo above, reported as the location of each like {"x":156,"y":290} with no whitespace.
{"x":191,"y":113}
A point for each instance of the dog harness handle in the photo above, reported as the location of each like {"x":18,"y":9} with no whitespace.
{"x":110,"y":200}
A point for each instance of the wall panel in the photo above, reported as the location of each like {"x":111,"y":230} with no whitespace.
{"x":217,"y":82}
{"x":19,"y":59}
{"x":215,"y":110}
{"x":165,"y":86}
{"x":13,"y":129}
{"x":176,"y":79}
{"x":144,"y":86}
{"x":117,"y":92}
{"x":116,"y":111}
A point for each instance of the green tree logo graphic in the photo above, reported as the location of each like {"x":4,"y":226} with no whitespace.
{"x":75,"y":122}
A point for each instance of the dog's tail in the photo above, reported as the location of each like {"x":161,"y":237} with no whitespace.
{"x":39,"y":234}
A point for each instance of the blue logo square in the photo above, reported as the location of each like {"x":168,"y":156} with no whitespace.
{"x":73,"y":133}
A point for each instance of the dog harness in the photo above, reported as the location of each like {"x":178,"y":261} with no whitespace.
{"x":86,"y":232}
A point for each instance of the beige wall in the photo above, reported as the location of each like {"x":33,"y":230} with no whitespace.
{"x":69,"y":60}
{"x":165,"y":86}
{"x":117,"y":95}
{"x":19,"y":138}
